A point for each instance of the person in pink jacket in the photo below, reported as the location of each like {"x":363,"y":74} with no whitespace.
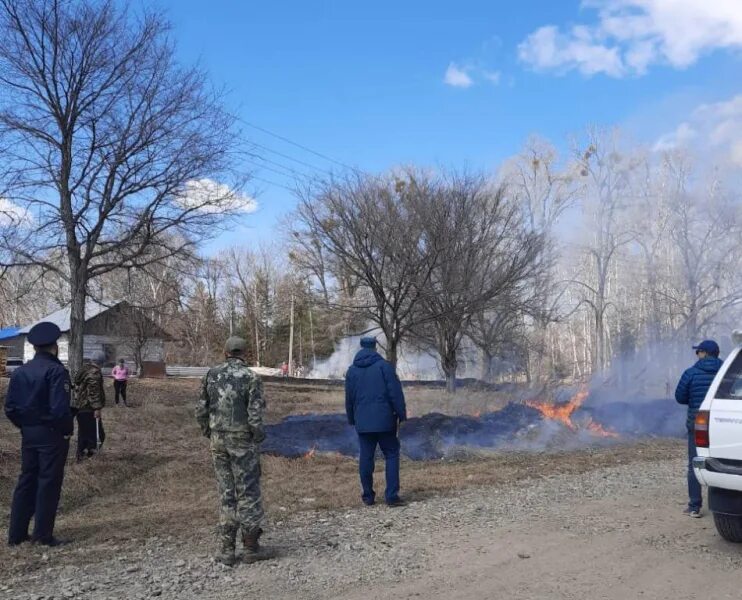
{"x":120,"y":375}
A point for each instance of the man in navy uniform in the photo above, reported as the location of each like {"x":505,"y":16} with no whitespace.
{"x":375,"y":404}
{"x":38,"y":403}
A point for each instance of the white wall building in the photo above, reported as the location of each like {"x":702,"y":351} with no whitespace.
{"x":117,"y":331}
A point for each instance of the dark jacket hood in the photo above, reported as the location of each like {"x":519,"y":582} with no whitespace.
{"x":366,"y":357}
{"x":710,"y":364}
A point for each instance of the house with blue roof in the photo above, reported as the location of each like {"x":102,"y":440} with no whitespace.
{"x":12,"y":340}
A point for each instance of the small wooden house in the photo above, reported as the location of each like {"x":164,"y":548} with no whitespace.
{"x":117,"y":330}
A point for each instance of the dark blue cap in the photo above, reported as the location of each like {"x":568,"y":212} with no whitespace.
{"x":43,"y":334}
{"x":368,"y":342}
{"x":708,"y":346}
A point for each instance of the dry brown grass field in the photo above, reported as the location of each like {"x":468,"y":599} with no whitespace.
{"x":154,"y":476}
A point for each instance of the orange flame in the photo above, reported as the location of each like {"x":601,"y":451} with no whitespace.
{"x":311,"y":452}
{"x":598,"y":429}
{"x":476,"y":414}
{"x":562,"y":412}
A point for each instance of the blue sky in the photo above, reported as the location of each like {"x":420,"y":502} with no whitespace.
{"x":376,"y":84}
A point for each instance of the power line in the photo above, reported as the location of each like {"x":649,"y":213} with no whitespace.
{"x":271,"y":169}
{"x":298,"y":145}
{"x":289,"y":157}
{"x":273,"y":183}
{"x":287,"y":170}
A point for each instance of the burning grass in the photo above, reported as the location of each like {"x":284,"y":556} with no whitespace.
{"x":154,"y":476}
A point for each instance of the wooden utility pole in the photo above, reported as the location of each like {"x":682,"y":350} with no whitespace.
{"x":257,"y":326}
{"x":311,"y":338}
{"x":291,"y":340}
{"x":301,"y":345}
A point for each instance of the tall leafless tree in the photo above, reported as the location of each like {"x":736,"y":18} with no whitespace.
{"x":485,"y":250}
{"x":114,"y":149}
{"x":372,"y":229}
{"x":545,"y":191}
{"x":607,"y":173}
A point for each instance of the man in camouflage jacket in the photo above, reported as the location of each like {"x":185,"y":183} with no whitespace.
{"x":88,"y":400}
{"x":230,"y":413}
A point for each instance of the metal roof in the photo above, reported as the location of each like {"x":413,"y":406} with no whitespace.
{"x":61,"y":318}
{"x":9,"y":332}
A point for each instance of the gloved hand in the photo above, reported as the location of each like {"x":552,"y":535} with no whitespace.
{"x":258,"y":435}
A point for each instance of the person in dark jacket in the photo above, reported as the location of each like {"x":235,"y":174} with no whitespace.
{"x":374,"y":403}
{"x":38,"y":403}
{"x":691,"y":391}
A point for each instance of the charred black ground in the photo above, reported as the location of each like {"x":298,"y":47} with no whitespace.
{"x":517,"y":426}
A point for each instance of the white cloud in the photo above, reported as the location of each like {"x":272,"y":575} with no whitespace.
{"x":457,"y":76}
{"x":629,"y":36}
{"x":547,"y":48}
{"x":715,"y":127}
{"x":467,"y":76}
{"x":210,"y":196}
{"x":13,"y":215}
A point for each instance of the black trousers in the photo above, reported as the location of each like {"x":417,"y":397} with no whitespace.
{"x":87,"y":435}
{"x":119,"y":388}
{"x":43,"y":454}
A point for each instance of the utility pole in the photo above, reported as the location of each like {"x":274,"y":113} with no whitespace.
{"x":301,"y":345}
{"x":311,"y":338}
{"x":257,"y":328}
{"x":291,"y":340}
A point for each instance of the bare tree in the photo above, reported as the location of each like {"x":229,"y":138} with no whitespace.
{"x":371,"y":229}
{"x":497,"y":330}
{"x":485,"y":250}
{"x":607,"y":173}
{"x":545,"y":191}
{"x":115,"y":150}
{"x":705,"y":229}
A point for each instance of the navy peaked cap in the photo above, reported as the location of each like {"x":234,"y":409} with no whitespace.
{"x":43,"y":334}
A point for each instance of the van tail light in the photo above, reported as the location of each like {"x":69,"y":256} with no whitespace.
{"x":702,"y":429}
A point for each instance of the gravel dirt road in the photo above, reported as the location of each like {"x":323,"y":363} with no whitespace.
{"x":609,"y":533}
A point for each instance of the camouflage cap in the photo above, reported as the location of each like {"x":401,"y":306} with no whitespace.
{"x":98,"y":358}
{"x":235,"y":344}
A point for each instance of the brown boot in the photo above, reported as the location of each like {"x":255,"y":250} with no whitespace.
{"x":227,"y":536}
{"x":253,"y":551}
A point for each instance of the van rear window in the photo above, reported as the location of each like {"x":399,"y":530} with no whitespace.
{"x":730,"y":387}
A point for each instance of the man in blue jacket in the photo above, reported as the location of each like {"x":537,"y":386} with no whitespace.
{"x":691,"y":390}
{"x":374,"y":403}
{"x":38,"y":403}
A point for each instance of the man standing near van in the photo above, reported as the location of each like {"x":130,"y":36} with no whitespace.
{"x":691,"y":391}
{"x":374,"y":403}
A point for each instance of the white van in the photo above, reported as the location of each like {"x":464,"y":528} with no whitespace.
{"x":718,"y":434}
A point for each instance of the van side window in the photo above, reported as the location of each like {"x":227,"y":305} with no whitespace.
{"x":730,"y":387}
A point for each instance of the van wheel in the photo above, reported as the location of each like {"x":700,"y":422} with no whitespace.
{"x":729,"y":527}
